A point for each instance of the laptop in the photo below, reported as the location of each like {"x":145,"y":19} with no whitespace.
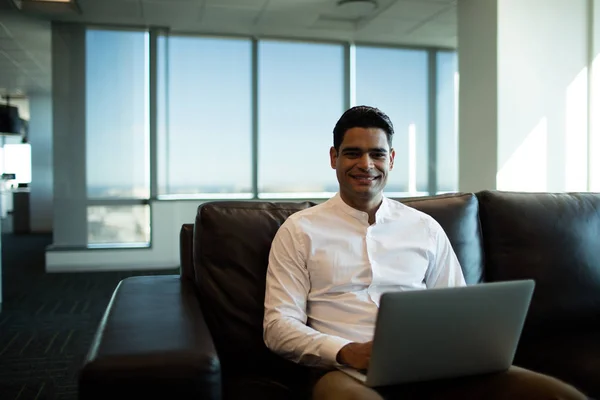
{"x":446,"y":332}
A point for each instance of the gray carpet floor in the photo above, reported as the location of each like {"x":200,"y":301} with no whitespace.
{"x":47,"y":321}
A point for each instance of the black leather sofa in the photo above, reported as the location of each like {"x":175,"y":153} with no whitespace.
{"x":199,"y":335}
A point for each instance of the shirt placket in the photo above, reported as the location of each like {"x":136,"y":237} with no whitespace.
{"x":371,"y":246}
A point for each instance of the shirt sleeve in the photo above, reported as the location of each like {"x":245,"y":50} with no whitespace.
{"x":287,"y":286}
{"x":444,"y":268}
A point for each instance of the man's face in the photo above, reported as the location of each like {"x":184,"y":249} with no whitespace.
{"x":362,"y":163}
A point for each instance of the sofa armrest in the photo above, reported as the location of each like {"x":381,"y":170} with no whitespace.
{"x":186,"y":251}
{"x":152,"y":341}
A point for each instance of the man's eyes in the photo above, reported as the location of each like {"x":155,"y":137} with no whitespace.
{"x":355,"y":154}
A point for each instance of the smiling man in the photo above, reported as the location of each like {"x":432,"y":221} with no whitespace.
{"x":330,"y":264}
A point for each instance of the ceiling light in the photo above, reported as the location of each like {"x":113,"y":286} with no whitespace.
{"x":48,"y":7}
{"x":356,"y":8}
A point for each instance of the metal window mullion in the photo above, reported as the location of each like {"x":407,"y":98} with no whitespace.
{"x":254,"y":118}
{"x":167,"y":111}
{"x":432,"y":125}
{"x":153,"y":116}
{"x":591,"y":96}
{"x":349,"y":76}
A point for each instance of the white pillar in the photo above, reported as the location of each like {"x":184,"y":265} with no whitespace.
{"x":68,"y":114}
{"x":40,"y":138}
{"x":594,"y":154}
{"x":478,"y":110}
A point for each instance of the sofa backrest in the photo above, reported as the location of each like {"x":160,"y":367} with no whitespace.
{"x":232,"y":241}
{"x":553,"y":239}
{"x":458,"y":214}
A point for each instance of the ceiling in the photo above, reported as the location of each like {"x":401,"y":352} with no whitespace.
{"x":25,"y":35}
{"x":24,"y":53}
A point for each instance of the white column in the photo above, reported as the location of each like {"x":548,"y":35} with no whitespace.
{"x":594,"y":154}
{"x":68,"y":112}
{"x":40,"y":138}
{"x":478,"y":111}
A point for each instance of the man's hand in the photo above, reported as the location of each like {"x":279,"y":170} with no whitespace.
{"x":355,"y":355}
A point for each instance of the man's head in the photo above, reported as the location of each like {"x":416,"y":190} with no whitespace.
{"x":362,"y":153}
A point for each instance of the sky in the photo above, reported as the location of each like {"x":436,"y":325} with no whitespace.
{"x":205,"y":109}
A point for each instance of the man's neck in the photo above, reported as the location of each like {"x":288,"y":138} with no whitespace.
{"x":368,"y":205}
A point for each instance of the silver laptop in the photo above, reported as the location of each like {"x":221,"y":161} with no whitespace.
{"x":446,"y":333}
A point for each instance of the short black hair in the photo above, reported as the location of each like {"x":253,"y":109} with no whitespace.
{"x":362,"y":117}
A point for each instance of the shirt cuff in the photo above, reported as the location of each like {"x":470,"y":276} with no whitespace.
{"x":330,"y":349}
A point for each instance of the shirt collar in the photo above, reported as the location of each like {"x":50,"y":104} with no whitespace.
{"x":362,"y":216}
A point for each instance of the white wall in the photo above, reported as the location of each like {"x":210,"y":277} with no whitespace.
{"x":542,"y":95}
{"x":40,"y":138}
{"x":167,"y":218}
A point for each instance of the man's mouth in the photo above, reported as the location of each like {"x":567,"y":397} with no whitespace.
{"x":364,"y":179}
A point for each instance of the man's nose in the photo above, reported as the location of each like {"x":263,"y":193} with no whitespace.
{"x":365,"y":162}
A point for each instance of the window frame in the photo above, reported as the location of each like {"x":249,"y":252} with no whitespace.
{"x":349,"y":100}
{"x":349,"y":96}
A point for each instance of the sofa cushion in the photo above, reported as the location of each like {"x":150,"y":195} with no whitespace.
{"x":572,"y":357}
{"x":458,"y":214}
{"x":553,"y":239}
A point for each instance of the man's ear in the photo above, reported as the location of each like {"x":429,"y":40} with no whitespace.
{"x":333,"y":156}
{"x":392,"y":156}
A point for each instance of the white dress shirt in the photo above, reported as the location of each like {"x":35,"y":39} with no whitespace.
{"x":328,"y":269}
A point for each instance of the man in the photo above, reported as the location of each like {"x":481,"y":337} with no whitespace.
{"x":330,"y":264}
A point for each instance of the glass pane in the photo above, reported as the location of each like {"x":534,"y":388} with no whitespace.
{"x":301,"y":97}
{"x":118,"y":224}
{"x":395,"y":81}
{"x":447,"y":119}
{"x":117,"y":137}
{"x":205,"y":116}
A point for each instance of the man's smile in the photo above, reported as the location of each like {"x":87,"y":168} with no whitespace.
{"x":364,"y":178}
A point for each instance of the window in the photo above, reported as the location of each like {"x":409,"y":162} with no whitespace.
{"x":395,"y":81}
{"x":117,"y":121}
{"x":118,"y":224}
{"x":117,"y":137}
{"x":447,"y":119}
{"x":205,"y":117}
{"x":300,"y":98}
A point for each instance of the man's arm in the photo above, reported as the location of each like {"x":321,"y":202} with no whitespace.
{"x":444,"y":269}
{"x":287,"y":287}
